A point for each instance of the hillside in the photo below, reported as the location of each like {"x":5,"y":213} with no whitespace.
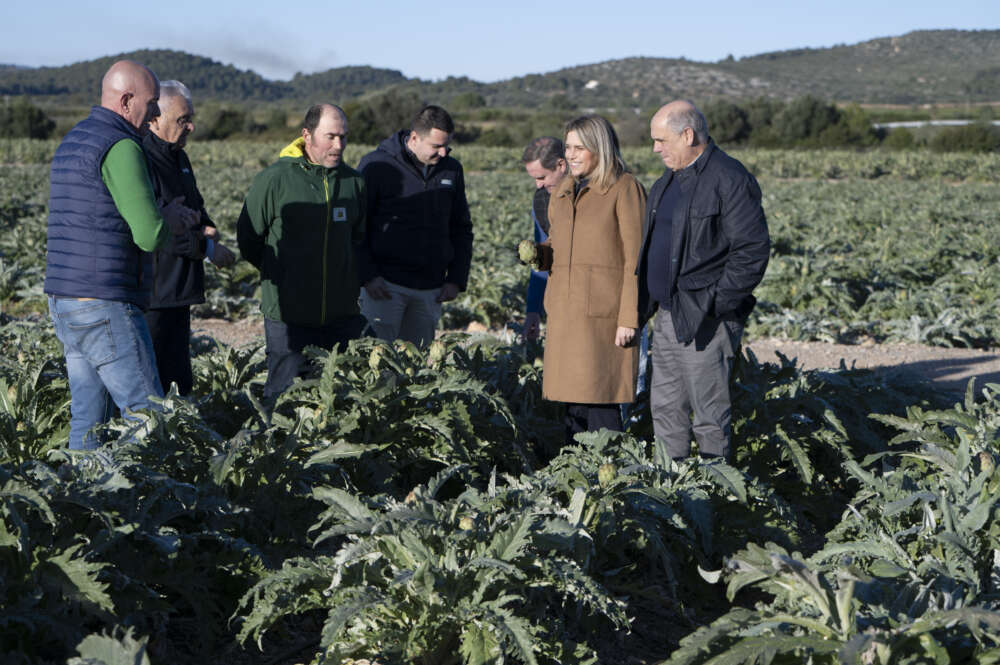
{"x":930,"y":66}
{"x":344,"y":83}
{"x":204,"y":76}
{"x":918,"y":67}
{"x":629,"y":82}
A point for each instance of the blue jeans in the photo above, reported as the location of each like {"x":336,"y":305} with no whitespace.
{"x":109,"y":358}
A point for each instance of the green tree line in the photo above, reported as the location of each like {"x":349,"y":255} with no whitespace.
{"x":805,"y":122}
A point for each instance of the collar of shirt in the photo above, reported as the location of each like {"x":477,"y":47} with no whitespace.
{"x":688,"y":172}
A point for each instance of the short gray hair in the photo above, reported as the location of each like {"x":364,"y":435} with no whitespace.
{"x":691,"y":117}
{"x":174,"y":88}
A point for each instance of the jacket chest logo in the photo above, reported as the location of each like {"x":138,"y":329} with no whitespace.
{"x":340,"y":214}
{"x":446,"y":182}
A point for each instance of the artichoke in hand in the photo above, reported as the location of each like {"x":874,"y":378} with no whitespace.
{"x":527,"y":253}
{"x":537,"y":256}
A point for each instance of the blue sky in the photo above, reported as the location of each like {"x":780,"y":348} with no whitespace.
{"x":485,"y":41}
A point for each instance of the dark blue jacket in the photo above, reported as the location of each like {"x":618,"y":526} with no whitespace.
{"x":90,"y":249}
{"x":539,"y":278}
{"x":720,"y":243}
{"x":419,"y":230}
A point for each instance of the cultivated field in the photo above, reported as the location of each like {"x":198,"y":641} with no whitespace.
{"x":404,"y":507}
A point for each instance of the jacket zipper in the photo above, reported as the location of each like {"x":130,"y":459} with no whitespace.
{"x":326,"y":245}
{"x":404,"y":159}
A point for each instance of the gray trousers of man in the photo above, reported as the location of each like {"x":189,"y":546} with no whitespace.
{"x":690,"y":386}
{"x":408,"y":314}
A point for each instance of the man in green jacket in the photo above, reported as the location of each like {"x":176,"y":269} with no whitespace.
{"x":301,"y":222}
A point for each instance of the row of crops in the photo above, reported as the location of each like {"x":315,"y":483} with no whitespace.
{"x":403,"y":508}
{"x":414,"y":507}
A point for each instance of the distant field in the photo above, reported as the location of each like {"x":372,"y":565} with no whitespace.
{"x":818,"y":164}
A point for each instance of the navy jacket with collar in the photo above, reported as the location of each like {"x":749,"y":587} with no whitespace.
{"x":720,"y":243}
{"x":419,"y":230}
{"x":90,"y":251}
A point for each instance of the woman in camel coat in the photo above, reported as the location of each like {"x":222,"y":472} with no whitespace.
{"x":595,"y":218}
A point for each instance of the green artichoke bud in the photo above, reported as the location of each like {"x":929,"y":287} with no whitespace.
{"x":986,"y":462}
{"x":606,"y":474}
{"x":436,"y":353}
{"x":528,"y":253}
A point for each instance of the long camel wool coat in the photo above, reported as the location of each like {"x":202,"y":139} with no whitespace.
{"x":592,"y":290}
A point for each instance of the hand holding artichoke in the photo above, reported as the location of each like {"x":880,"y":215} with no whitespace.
{"x":539,"y":257}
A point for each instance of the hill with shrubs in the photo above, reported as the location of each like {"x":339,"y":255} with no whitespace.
{"x":927,"y":66}
{"x":822,"y":97}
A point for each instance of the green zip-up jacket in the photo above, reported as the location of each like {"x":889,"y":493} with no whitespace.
{"x":300,"y":226}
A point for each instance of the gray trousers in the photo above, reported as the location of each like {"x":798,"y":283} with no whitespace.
{"x":693,"y":378}
{"x":410,"y":314}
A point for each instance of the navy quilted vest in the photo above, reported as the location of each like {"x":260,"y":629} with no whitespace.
{"x":90,"y":249}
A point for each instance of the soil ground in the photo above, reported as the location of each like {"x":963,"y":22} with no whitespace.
{"x":948,"y":369}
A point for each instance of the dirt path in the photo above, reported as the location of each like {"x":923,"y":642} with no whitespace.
{"x":948,"y":369}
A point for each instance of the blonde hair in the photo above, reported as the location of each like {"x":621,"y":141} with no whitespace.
{"x":599,"y":137}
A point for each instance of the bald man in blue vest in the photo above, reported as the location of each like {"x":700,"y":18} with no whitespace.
{"x":103,"y":219}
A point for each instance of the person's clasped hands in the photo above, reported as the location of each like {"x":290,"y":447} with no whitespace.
{"x":179,"y":217}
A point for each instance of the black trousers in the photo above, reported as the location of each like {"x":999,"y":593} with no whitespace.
{"x":170,"y":329}
{"x":285,"y":342}
{"x":590,"y":418}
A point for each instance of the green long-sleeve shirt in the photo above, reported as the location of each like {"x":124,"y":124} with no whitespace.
{"x":126,"y":176}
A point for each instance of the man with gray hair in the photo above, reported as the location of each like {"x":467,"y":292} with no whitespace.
{"x":705,"y":247}
{"x":178,"y":271}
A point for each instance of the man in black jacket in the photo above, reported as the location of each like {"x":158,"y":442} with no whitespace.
{"x":705,"y":247}
{"x":178,"y":273}
{"x":418,"y":246}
